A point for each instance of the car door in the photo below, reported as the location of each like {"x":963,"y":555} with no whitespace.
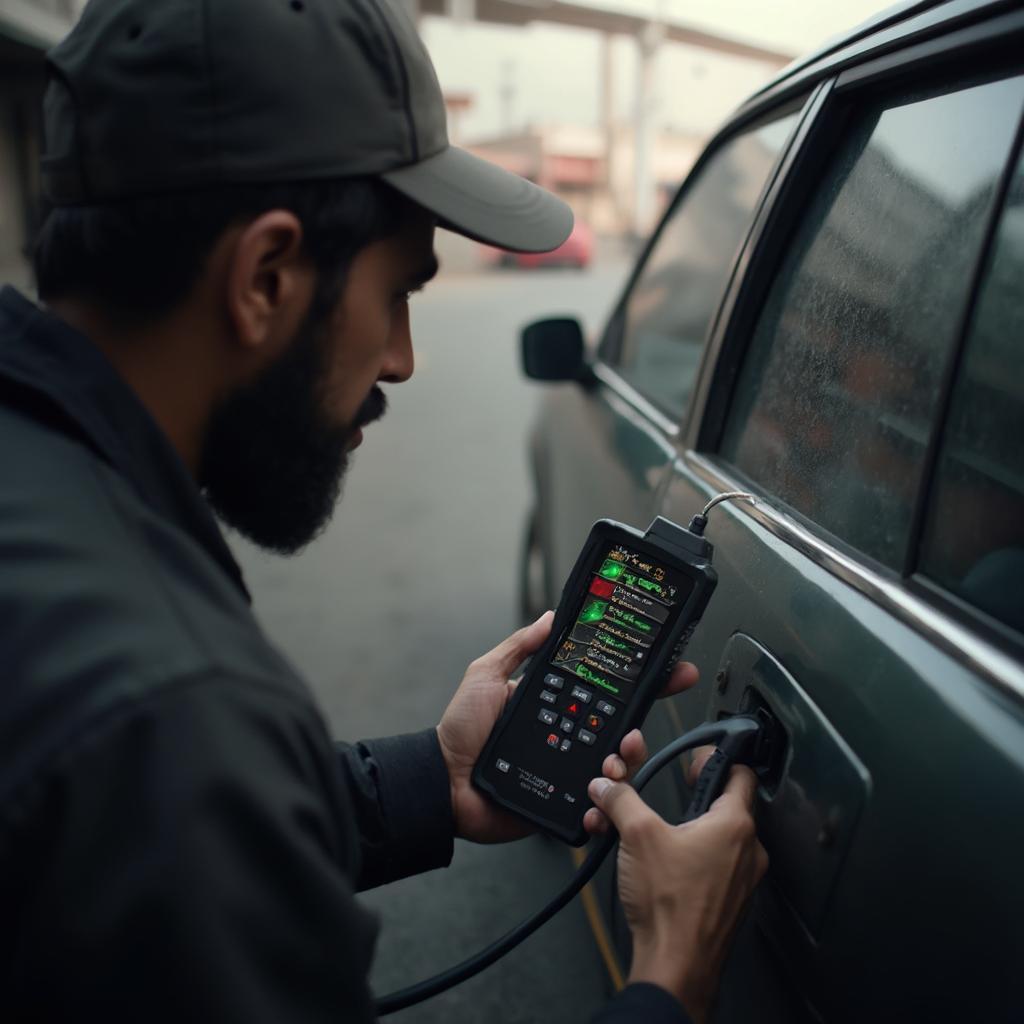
{"x":605,"y":451}
{"x":865,"y":384}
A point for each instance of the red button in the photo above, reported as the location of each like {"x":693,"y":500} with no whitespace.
{"x":573,"y":709}
{"x":602,"y":588}
{"x":594,"y":722}
{"x":554,"y":739}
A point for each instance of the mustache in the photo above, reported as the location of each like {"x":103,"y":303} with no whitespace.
{"x":373,"y":408}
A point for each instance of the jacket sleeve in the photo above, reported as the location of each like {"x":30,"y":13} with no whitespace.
{"x":189,"y":860}
{"x":401,"y":793}
{"x":643,"y":1003}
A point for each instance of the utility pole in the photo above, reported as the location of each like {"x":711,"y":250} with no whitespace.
{"x":648,"y":41}
{"x":508,"y":91}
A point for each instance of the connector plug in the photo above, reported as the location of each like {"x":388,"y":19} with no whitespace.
{"x":737,"y":745}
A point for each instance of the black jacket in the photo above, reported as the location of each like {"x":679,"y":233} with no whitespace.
{"x":180,"y":839}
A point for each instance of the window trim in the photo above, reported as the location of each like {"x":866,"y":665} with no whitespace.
{"x":890,"y":32}
{"x":897,"y":596}
{"x":614,"y":380}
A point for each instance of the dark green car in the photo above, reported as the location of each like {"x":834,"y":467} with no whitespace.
{"x":831,"y":316}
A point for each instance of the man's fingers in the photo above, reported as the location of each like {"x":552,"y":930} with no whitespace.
{"x":633,"y":752}
{"x":684,"y":676}
{"x":700,"y":758}
{"x":739,"y":790}
{"x":615,"y":768}
{"x":595,"y":822}
{"x":622,"y":805}
{"x":741,"y":787}
{"x":520,"y":645}
{"x":630,"y":758}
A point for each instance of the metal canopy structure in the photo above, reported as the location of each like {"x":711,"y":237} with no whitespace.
{"x":648,"y":31}
{"x":598,"y":19}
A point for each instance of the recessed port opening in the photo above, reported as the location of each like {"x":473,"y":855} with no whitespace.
{"x":774,"y":745}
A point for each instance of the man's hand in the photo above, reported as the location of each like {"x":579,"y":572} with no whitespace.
{"x":684,"y":887}
{"x":477,"y":705}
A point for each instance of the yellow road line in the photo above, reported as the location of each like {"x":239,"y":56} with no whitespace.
{"x":604,"y":946}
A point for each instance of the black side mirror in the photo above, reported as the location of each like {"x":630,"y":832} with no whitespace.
{"x":553,"y":350}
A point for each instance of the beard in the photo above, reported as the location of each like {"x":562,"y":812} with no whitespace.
{"x":273,"y":463}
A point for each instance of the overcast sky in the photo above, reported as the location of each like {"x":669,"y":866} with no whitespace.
{"x":550,"y":74}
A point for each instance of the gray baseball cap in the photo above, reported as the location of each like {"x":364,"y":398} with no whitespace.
{"x":155,"y":96}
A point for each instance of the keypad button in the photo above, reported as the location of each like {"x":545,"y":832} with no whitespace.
{"x":547,"y":717}
{"x":595,"y":723}
{"x":567,"y":725}
{"x":548,"y":697}
{"x":575,"y":709}
{"x":580,"y":694}
{"x":565,"y":745}
{"x":553,"y":682}
{"x":586,"y":737}
{"x":605,"y":708}
{"x":503,"y":766}
{"x":554,"y":739}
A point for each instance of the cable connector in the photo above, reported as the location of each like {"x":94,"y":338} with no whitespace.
{"x":738,"y":745}
{"x":732,"y":734}
{"x":700,"y":521}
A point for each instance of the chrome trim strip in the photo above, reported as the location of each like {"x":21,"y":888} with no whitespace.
{"x":927,"y":24}
{"x":607,"y":376}
{"x":946,"y":633}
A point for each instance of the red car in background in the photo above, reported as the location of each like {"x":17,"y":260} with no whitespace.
{"x":575,"y":251}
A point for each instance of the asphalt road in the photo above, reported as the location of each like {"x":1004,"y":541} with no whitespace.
{"x":415,"y":577}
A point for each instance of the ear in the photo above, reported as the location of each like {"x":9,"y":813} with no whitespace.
{"x":269,"y":281}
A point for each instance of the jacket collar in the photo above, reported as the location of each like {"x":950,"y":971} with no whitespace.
{"x":43,"y":355}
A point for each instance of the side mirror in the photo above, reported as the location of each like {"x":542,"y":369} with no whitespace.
{"x":553,"y":351}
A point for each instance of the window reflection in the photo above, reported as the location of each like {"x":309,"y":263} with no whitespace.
{"x":671,"y":305}
{"x":974,"y":542}
{"x":839,"y":390}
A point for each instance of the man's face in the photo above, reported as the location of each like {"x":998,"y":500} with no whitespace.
{"x":277,"y":449}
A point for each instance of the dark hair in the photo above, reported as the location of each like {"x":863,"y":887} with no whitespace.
{"x":139,"y":258}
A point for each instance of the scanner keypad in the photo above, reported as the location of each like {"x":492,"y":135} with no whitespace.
{"x":569,"y":710}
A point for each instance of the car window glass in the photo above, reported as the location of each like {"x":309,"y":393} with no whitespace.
{"x":974,"y":537}
{"x":838,"y":392}
{"x":678,"y":290}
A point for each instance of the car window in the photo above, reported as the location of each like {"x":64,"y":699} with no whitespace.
{"x":839,"y":390}
{"x":670,"y":306}
{"x":974,"y":534}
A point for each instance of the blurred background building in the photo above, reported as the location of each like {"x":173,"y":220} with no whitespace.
{"x":605,"y":102}
{"x":624,"y":113}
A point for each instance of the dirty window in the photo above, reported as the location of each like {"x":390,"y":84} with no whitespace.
{"x":838,"y":392}
{"x":974,"y":538}
{"x":671,"y":305}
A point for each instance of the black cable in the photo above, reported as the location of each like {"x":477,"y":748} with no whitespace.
{"x":732,"y":735}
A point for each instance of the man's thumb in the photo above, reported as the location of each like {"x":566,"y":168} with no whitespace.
{"x":621,"y":804}
{"x":521,"y":644}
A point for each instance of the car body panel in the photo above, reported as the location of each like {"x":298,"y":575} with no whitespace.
{"x":897,"y":831}
{"x":931,"y":737}
{"x":609,"y":457}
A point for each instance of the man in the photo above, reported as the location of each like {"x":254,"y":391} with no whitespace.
{"x":244,"y":196}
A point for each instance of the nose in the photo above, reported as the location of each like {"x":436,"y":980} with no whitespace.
{"x":399,"y":361}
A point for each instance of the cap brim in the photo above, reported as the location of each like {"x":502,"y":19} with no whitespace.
{"x":485,"y":202}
